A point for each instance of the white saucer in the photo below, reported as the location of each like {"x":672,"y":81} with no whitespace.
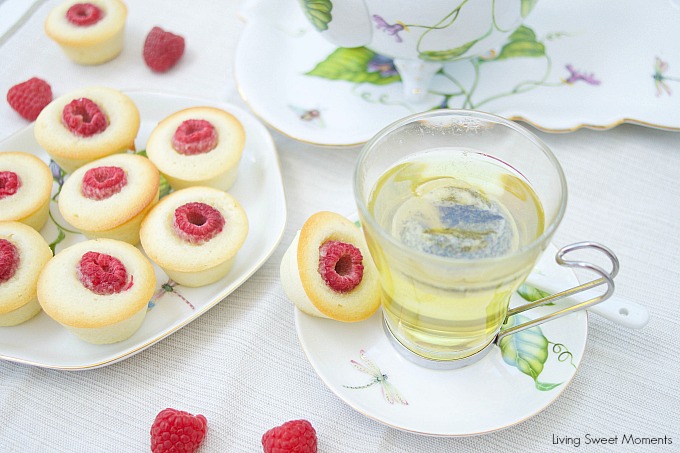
{"x":489,"y":395}
{"x":591,"y":74}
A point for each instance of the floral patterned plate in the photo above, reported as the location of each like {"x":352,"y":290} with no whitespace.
{"x":571,"y":65}
{"x":511,"y":384}
{"x":42,"y":342}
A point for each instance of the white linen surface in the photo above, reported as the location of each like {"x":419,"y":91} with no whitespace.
{"x":241,"y":364}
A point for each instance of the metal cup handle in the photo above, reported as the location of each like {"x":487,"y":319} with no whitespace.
{"x":605,"y":278}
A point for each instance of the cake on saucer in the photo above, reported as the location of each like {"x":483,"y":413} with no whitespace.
{"x":194,"y":234}
{"x":89,"y":33}
{"x":198,"y":146}
{"x":110,"y":196}
{"x":23,"y":253}
{"x":327,"y":270}
{"x":87,"y":124}
{"x":98,"y":289}
{"x":25,"y":189}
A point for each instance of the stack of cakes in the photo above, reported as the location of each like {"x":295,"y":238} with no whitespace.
{"x":99,"y":288}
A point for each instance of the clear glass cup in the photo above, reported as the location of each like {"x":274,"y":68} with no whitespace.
{"x":456,"y":206}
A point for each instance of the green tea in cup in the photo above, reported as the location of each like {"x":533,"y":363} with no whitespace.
{"x":456,"y":207}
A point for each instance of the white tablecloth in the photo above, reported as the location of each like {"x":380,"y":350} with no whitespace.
{"x":241,"y":364}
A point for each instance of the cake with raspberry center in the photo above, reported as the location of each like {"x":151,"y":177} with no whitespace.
{"x":198,"y":146}
{"x":194,"y":234}
{"x":25,"y":188}
{"x":98,"y":289}
{"x":23,"y":253}
{"x":327,"y":271}
{"x":109,"y":197}
{"x":87,"y":124}
{"x":89,"y":33}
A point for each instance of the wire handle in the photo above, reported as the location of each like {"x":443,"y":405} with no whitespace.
{"x":605,"y":278}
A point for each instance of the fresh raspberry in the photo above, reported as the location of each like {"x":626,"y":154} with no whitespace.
{"x":84,"y":118}
{"x":197,"y":222}
{"x":162,"y":49}
{"x":103,"y":274}
{"x":100,"y":183}
{"x":84,"y":14}
{"x":295,"y":436}
{"x":340,"y":265}
{"x":30,"y":97}
{"x":9,"y":260}
{"x":9,"y":183}
{"x":194,"y":137}
{"x":177,"y":431}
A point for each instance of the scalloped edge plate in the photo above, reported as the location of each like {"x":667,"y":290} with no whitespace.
{"x":484,"y":397}
{"x":587,"y":78}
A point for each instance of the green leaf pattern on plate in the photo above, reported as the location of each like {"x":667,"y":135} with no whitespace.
{"x":532,"y":294}
{"x":164,"y":186}
{"x":318,"y":12}
{"x":447,"y":55}
{"x":521,"y":43}
{"x":360,"y":65}
{"x":351,"y":65}
{"x":527,"y":6}
{"x":526,"y":350}
{"x":60,"y":237}
{"x":58,"y":176}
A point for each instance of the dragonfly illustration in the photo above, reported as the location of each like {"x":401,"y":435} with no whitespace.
{"x":168,"y":287}
{"x":390,"y":393}
{"x":660,"y":77}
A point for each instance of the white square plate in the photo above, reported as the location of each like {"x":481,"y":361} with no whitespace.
{"x":43,"y":342}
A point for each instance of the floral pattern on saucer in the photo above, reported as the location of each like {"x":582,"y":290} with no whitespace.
{"x":566,"y":68}
{"x":363,"y":66}
{"x":510,"y":384}
{"x":528,"y":351}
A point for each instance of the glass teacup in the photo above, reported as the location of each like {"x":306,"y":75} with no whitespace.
{"x":457,"y":206}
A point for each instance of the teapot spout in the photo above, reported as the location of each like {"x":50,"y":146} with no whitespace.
{"x":416,"y":76}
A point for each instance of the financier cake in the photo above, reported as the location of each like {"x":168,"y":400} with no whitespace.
{"x":87,"y":124}
{"x":25,"y":188}
{"x":194,"y":234}
{"x":327,"y":270}
{"x":23,"y":253}
{"x":89,"y":32}
{"x":198,"y":146}
{"x":110,"y":196}
{"x":98,"y":289}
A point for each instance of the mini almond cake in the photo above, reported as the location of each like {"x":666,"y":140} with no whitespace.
{"x":110,"y":196}
{"x":25,"y":188}
{"x":23,"y":253}
{"x":89,"y":32}
{"x":194,"y":234}
{"x":98,"y":289}
{"x":87,"y":124}
{"x":198,"y":146}
{"x":327,"y":270}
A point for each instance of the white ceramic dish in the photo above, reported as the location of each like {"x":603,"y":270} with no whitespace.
{"x":43,"y":342}
{"x":489,"y":395}
{"x":574,"y":65}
